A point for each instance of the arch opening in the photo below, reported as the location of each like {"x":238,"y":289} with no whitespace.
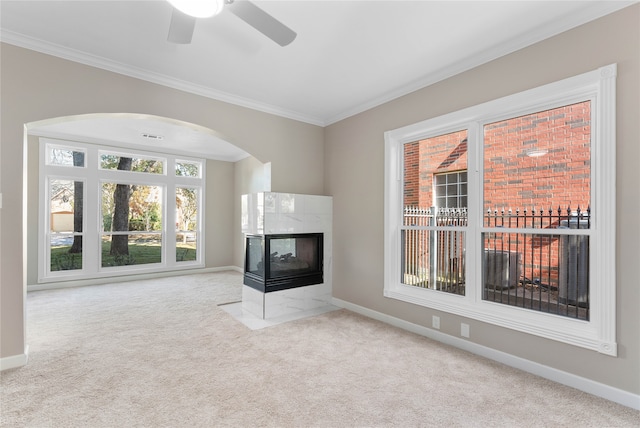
{"x":141,"y":131}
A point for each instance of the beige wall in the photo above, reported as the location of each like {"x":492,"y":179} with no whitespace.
{"x":354,"y":176}
{"x":251,"y":176}
{"x":33,"y":207}
{"x":218,"y":224}
{"x":37,"y":87}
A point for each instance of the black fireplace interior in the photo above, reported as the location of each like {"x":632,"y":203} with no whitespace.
{"x":293,"y":260}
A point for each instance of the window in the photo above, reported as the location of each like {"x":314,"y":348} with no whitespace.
{"x":108,"y":212}
{"x":64,"y":156}
{"x":124,"y":162}
{"x":187,"y":203}
{"x":498,"y":212}
{"x":188,"y":169}
{"x":435,"y":212}
{"x":65,"y":231}
{"x":450,"y":190}
{"x":131,"y":224}
{"x":537,"y":175}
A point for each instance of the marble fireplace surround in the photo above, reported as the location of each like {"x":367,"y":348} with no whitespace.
{"x":269,"y":213}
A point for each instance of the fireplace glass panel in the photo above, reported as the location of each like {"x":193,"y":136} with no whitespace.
{"x":255,"y":258}
{"x":293,"y":260}
{"x":291,"y":256}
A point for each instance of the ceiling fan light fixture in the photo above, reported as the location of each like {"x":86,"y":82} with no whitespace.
{"x":198,"y":8}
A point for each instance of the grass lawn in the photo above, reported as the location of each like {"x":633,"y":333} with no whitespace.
{"x":139,"y":254}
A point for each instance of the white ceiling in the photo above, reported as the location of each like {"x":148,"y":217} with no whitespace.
{"x":348,"y":56}
{"x":140,"y":132}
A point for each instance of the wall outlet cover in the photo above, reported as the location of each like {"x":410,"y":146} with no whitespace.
{"x":435,"y":322}
{"x":464,"y":330}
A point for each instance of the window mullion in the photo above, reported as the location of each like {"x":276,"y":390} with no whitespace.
{"x":93,"y":239}
{"x":474,"y":200}
{"x":169,"y":235}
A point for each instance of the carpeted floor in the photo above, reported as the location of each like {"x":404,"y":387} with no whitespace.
{"x":160,"y":353}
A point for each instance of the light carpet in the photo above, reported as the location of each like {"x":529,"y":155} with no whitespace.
{"x":161,"y":353}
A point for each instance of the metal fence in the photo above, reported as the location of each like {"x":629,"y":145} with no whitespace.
{"x":435,"y":258}
{"x":540,"y":271}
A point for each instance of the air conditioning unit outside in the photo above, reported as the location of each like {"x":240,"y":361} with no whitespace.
{"x":573,"y":281}
{"x":501,"y":269}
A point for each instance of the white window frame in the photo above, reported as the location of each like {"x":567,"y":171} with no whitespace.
{"x":599,"y":333}
{"x":93,"y":176}
{"x":194,"y":184}
{"x":44,"y":238}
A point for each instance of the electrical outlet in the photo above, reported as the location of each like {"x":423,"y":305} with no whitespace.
{"x":435,"y":322}
{"x":464,"y":330}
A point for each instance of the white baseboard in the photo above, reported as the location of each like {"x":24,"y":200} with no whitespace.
{"x":124,"y":278}
{"x":235,"y":268}
{"x":583,"y":384}
{"x":15,"y":361}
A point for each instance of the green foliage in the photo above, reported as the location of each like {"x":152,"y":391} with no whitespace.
{"x":181,"y":255}
{"x":65,"y":261}
{"x":150,"y":166}
{"x":123,"y":260}
{"x":187,"y":206}
{"x":109,"y":161}
{"x":145,"y":212}
{"x":139,"y":253}
{"x":106,"y":221}
{"x":187,"y":169}
{"x":147,"y":165}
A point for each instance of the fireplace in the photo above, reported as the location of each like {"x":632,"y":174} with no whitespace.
{"x":283,"y":261}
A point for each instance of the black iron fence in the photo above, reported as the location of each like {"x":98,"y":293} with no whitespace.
{"x":538,"y":219}
{"x":542,"y":270}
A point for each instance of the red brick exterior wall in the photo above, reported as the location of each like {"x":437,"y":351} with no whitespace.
{"x":561,"y":177}
{"x":444,"y":153}
{"x":513,"y":179}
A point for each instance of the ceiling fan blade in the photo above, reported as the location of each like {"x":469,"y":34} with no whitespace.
{"x":181,"y":28}
{"x":263,"y":22}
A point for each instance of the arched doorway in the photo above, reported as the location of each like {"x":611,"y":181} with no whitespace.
{"x":147,"y":139}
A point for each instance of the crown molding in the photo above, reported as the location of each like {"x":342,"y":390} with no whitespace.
{"x":74,"y":55}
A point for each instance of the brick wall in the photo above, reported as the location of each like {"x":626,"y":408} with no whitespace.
{"x":444,"y":153}
{"x":513,"y":178}
{"x":561,"y":177}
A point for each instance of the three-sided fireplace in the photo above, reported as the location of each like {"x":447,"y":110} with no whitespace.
{"x":283,"y":261}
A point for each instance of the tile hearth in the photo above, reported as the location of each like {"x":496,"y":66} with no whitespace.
{"x":255,"y":323}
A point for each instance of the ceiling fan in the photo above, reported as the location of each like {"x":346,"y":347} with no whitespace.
{"x":186,"y":12}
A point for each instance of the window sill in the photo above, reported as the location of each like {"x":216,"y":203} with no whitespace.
{"x":549,"y":326}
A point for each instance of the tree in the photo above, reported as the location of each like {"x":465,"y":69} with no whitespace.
{"x":144,"y":208}
{"x":187,"y":205}
{"x":78,"y":198}
{"x":120,"y":223}
{"x":187,"y":169}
